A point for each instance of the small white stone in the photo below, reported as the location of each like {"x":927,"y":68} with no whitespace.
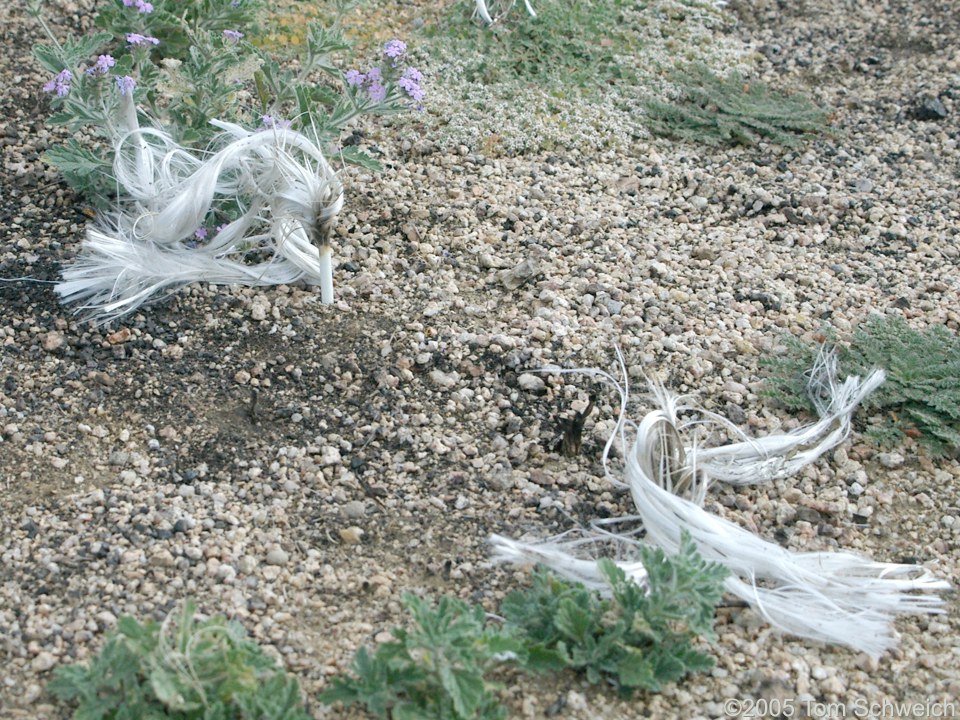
{"x":354,"y":509}
{"x":531,"y":383}
{"x":443,"y":380}
{"x":43,"y":662}
{"x":576,"y":701}
{"x":330,"y":456}
{"x":277,"y":556}
{"x":890,"y":460}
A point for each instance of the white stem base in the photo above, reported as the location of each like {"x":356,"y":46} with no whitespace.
{"x":326,"y":275}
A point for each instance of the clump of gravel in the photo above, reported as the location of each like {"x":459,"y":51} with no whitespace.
{"x":299,"y":466}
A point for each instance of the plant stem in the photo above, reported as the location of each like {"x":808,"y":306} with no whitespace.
{"x":36,"y":11}
{"x":326,"y":274}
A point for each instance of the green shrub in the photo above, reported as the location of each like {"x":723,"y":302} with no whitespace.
{"x":182,"y":669}
{"x":731,"y":110}
{"x":436,"y":669}
{"x":639,"y":638}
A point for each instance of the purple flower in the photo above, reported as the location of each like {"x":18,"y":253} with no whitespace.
{"x":374,"y":76}
{"x":142,"y":6}
{"x":377,"y":92}
{"x":200,"y":233}
{"x":410,"y":82}
{"x":136,"y":40}
{"x":232,"y":35}
{"x":354,"y":78}
{"x":60,"y":84}
{"x":269,"y":121}
{"x":235,"y":4}
{"x":102,"y":65}
{"x":395,"y":49}
{"x":128,"y":3}
{"x":126,"y":84}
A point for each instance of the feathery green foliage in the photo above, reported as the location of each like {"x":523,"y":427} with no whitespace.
{"x":183,"y":669}
{"x":732,"y":110}
{"x":639,"y":638}
{"x":921,"y":395}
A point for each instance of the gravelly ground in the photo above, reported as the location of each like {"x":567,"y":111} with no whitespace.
{"x":298,"y":466}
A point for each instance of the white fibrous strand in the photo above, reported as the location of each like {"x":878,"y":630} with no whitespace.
{"x":484,"y":12}
{"x":285,"y":195}
{"x":834,"y":597}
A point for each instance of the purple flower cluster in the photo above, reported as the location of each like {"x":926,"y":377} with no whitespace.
{"x":269,"y":121}
{"x":60,"y":84}
{"x":126,"y":84}
{"x":395,"y":49}
{"x":141,"y":5}
{"x":138,"y":40}
{"x":232,"y":35}
{"x":373,"y":79}
{"x":102,"y":65}
{"x":410,"y":83}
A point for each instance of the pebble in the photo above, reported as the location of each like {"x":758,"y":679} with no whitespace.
{"x":277,"y":556}
{"x":890,"y":459}
{"x":531,"y":383}
{"x":576,"y":701}
{"x":355,"y":509}
{"x":43,"y":662}
{"x":330,"y":456}
{"x":520,"y":275}
{"x":930,"y":108}
{"x":444,"y":381}
{"x":351,"y":535}
{"x":53,"y":340}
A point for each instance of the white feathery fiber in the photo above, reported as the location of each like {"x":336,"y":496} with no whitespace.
{"x":292,"y":198}
{"x":779,"y":456}
{"x":484,"y":12}
{"x":834,"y":597}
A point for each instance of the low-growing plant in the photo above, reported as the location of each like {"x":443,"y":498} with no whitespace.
{"x":920,"y":397}
{"x":733,"y":110}
{"x":638,"y":637}
{"x":435,"y":669}
{"x":212,"y":154}
{"x":187,"y":63}
{"x":184,"y":669}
